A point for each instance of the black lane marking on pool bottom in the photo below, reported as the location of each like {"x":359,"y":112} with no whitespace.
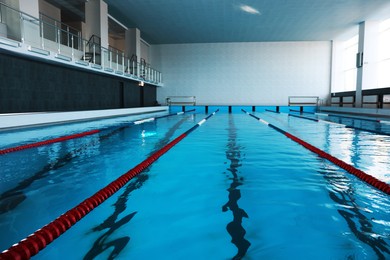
{"x":357,"y":222}
{"x":103,"y":242}
{"x":235,"y":228}
{"x":10,"y":199}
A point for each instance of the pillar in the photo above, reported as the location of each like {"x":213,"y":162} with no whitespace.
{"x":367,"y":48}
{"x":133,"y":43}
{"x":96,"y":21}
{"x":30,"y":30}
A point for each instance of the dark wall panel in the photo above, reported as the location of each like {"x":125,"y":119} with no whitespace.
{"x":30,"y":85}
{"x":150,"y":96}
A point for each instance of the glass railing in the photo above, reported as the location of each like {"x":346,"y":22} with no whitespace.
{"x":59,"y":32}
{"x":50,"y":35}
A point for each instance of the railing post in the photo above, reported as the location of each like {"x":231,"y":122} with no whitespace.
{"x":84,"y":47}
{"x":55,"y":29}
{"x":42,"y":36}
{"x":67,"y":27}
{"x":102,"y":59}
{"x":72,"y":39}
{"x":117,"y":61}
{"x":123,"y":63}
{"x":59,"y":40}
{"x":80,"y":40}
{"x":110,"y":58}
{"x":21,"y":28}
{"x":94,"y":55}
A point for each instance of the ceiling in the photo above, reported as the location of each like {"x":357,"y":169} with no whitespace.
{"x":201,"y":21}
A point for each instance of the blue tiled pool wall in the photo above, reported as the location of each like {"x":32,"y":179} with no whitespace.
{"x":237,"y":109}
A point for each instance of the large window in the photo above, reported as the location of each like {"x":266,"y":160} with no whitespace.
{"x":349,"y":63}
{"x":384,"y":55}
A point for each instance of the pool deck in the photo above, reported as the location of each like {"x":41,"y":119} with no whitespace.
{"x":24,"y":120}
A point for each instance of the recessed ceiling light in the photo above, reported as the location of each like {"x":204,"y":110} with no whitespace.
{"x":249,"y":9}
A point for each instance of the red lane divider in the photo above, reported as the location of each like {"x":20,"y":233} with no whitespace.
{"x":380,"y":185}
{"x":35,"y":242}
{"x":74,"y":136}
{"x":51,"y":141}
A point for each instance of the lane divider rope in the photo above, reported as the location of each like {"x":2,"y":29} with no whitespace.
{"x":268,"y":110}
{"x":302,"y":112}
{"x":75,"y":136}
{"x":351,"y":117}
{"x":346,"y":126}
{"x":35,"y":242}
{"x":304,"y":117}
{"x":46,"y":142}
{"x":380,"y":185}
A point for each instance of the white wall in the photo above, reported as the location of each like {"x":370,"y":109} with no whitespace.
{"x":263,"y":73}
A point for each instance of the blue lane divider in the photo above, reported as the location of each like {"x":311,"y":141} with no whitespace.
{"x":351,"y":117}
{"x":200,"y":123}
{"x":302,"y":112}
{"x":268,"y":110}
{"x":158,"y":117}
{"x":304,"y":117}
{"x":380,"y":185}
{"x":375,"y":120}
{"x":346,"y":126}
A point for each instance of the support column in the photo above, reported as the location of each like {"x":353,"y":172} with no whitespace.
{"x":96,"y":20}
{"x":30,"y":7}
{"x":29,"y":29}
{"x":133,"y":43}
{"x":367,"y":49}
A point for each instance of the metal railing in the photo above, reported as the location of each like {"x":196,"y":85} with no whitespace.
{"x":54,"y":30}
{"x":303,"y":101}
{"x":51,"y":35}
{"x":181,"y":100}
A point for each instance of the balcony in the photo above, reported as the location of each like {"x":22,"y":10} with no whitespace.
{"x":47,"y":38}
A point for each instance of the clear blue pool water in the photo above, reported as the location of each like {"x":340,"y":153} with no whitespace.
{"x":233,"y":187}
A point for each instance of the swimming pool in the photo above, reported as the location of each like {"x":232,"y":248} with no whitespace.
{"x":233,"y":187}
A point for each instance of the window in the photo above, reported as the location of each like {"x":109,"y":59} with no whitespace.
{"x":349,"y":63}
{"x":384,"y":55}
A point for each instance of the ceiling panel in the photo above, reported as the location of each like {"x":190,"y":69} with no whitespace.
{"x":200,"y":21}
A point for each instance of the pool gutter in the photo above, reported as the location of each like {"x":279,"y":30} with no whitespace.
{"x":27,"y":120}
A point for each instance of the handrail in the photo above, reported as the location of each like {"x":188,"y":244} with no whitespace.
{"x":290,"y":103}
{"x":181,"y":100}
{"x":42,"y":15}
{"x":92,"y":40}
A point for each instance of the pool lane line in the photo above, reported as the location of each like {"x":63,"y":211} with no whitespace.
{"x":346,"y":126}
{"x":357,"y":118}
{"x":46,"y":142}
{"x":380,"y":185}
{"x":38,"y":240}
{"x":304,"y":117}
{"x":268,"y":110}
{"x":78,"y":135}
{"x":302,"y":112}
